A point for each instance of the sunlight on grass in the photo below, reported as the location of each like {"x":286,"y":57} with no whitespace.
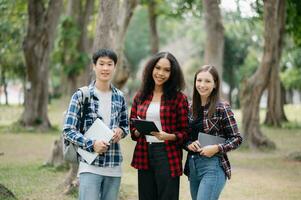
{"x":256,"y":175}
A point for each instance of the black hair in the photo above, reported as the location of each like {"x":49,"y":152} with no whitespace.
{"x":174,"y":84}
{"x":104,"y":53}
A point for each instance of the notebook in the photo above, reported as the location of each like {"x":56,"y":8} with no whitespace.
{"x":207,"y":139}
{"x":98,"y":131}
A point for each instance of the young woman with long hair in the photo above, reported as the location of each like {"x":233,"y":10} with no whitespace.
{"x":158,"y":158}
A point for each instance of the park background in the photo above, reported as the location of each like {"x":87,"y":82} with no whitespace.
{"x":45,"y":49}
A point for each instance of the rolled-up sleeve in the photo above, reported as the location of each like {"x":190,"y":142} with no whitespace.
{"x":124,"y":122}
{"x":133,"y":115}
{"x":230,"y":129}
{"x":182,"y":120}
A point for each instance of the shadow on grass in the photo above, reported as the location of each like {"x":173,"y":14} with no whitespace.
{"x":17,"y":128}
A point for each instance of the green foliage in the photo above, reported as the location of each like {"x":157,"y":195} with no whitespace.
{"x":290,"y":74}
{"x":291,"y":78}
{"x":182,"y":8}
{"x":293,"y":20}
{"x":66,"y":54}
{"x":176,"y":8}
{"x":12,"y":27}
{"x":137,"y":45}
{"x":237,"y":41}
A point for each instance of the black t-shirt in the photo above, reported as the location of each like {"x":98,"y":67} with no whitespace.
{"x":196,"y":126}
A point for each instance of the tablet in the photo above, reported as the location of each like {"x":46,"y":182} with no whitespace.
{"x":145,"y":127}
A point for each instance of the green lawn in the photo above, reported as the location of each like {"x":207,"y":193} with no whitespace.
{"x":256,"y":175}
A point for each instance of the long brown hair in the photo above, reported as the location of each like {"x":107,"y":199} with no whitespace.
{"x":214,"y":96}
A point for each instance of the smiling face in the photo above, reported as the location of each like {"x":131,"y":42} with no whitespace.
{"x":104,"y":69}
{"x":161,"y":72}
{"x":204,"y":84}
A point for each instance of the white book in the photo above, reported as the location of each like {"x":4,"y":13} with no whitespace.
{"x":98,"y":131}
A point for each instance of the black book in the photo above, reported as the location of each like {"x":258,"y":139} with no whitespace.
{"x":145,"y":127}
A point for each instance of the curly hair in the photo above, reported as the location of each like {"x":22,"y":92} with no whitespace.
{"x":174,"y":84}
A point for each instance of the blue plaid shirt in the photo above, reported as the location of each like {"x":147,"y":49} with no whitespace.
{"x":119,"y":118}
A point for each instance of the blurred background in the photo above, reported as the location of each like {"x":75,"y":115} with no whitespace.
{"x":45,"y":55}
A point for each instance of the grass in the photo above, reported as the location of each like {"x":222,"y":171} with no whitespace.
{"x":255,"y":175}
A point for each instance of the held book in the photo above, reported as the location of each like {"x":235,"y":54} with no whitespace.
{"x":98,"y":131}
{"x":145,"y":127}
{"x":207,"y":139}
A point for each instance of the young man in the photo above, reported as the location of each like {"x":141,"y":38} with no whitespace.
{"x":101,"y":179}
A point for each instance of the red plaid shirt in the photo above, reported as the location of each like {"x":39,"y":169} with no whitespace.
{"x":222,"y":124}
{"x":174,"y":120}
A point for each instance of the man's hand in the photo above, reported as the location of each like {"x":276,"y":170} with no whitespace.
{"x":194,"y":146}
{"x":117,"y":134}
{"x":209,"y":150}
{"x":100,"y":146}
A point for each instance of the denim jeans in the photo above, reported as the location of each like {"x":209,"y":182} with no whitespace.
{"x":207,"y":178}
{"x":97,"y":187}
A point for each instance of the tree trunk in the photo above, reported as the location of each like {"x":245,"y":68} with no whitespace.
{"x":56,"y":157}
{"x":71,"y":181}
{"x":152,"y":16}
{"x":73,"y":11}
{"x":230,"y":94}
{"x":122,"y":71}
{"x":37,"y":46}
{"x":4,"y":84}
{"x":275,"y":110}
{"x":80,"y":11}
{"x":214,"y":43}
{"x":84,"y":44}
{"x":253,"y":87}
{"x":111,"y":28}
{"x":5,"y":91}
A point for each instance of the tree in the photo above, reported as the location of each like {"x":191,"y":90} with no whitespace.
{"x":111,"y":28}
{"x":254,"y":86}
{"x":214,"y":43}
{"x":72,"y":46}
{"x":275,"y":109}
{"x":234,"y":57}
{"x":37,"y":45}
{"x":13,"y":17}
{"x":152,"y":16}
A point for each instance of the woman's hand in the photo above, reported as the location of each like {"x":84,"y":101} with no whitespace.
{"x":209,"y":150}
{"x":194,"y":146}
{"x":137,"y":133}
{"x":161,"y":135}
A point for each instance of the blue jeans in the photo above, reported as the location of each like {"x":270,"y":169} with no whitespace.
{"x":97,"y":187}
{"x":207,"y":178}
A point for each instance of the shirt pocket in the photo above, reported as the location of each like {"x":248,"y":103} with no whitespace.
{"x":115,"y":112}
{"x":89,"y":119}
{"x":214,"y":124}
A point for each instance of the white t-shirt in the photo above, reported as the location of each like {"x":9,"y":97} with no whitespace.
{"x":104,"y":111}
{"x":153,"y":114}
